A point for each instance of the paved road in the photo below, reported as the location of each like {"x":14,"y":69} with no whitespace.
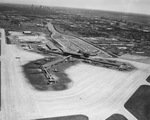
{"x":97,"y":92}
{"x":52,"y":29}
{"x":54,"y":32}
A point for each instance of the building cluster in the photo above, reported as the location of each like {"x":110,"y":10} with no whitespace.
{"x":131,"y":37}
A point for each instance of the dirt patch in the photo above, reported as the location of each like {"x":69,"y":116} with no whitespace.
{"x":73,"y":117}
{"x":36,"y":78}
{"x":139,"y":103}
{"x":148,"y":79}
{"x":117,"y":117}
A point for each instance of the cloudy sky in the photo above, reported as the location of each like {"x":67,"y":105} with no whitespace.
{"x":131,"y":6}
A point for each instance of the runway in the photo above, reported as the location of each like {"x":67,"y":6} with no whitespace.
{"x":97,"y":92}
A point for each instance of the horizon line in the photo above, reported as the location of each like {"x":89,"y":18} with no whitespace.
{"x":78,"y":8}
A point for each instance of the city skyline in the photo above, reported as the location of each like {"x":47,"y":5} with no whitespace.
{"x":127,"y":6}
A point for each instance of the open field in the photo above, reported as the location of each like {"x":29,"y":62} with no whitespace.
{"x":139,"y":103}
{"x":116,"y":117}
{"x":148,"y":79}
{"x":26,"y":38}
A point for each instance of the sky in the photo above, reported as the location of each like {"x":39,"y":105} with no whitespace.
{"x":129,"y":6}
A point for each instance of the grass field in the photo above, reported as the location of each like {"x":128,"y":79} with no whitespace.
{"x":73,"y":117}
{"x":116,"y":117}
{"x":37,"y":79}
{"x":148,"y":79}
{"x":139,"y":103}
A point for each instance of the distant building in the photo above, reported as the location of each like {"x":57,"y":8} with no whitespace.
{"x":27,"y":32}
{"x":130,"y":45}
{"x":122,"y":47}
{"x":39,"y":25}
{"x":109,"y":28}
{"x":51,"y":47}
{"x":76,"y":55}
{"x":140,"y":52}
{"x":146,"y":31}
